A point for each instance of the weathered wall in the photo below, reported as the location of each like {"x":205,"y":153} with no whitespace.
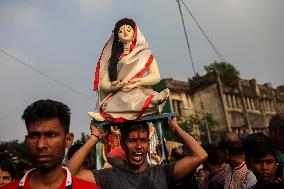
{"x":212,"y":103}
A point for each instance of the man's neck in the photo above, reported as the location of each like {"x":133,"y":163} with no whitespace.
{"x":236,"y":160}
{"x":47,"y":179}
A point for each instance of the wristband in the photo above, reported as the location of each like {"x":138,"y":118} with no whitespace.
{"x":96,"y":136}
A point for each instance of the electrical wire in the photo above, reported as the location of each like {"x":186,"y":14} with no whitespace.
{"x":46,"y":76}
{"x":201,"y":102}
{"x":204,"y":33}
{"x":185,"y":33}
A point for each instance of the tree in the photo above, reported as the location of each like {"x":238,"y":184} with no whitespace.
{"x":212,"y":127}
{"x":15,"y":148}
{"x":194,"y":78}
{"x":186,"y":125}
{"x":82,"y":140}
{"x":192,"y":122}
{"x":229,"y":75}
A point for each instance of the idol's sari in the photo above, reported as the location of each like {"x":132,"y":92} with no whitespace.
{"x":125,"y":104}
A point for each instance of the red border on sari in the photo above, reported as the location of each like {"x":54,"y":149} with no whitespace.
{"x":146,"y":103}
{"x":97,"y":74}
{"x":133,"y":44}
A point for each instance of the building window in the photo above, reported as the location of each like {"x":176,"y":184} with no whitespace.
{"x":229,"y":100}
{"x":239,"y":102}
{"x":178,"y":107}
{"x":264,"y":105}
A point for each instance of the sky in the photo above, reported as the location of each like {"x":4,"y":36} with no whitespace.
{"x":49,"y":49}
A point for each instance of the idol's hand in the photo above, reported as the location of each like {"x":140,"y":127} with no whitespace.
{"x":116,"y":85}
{"x":136,"y":82}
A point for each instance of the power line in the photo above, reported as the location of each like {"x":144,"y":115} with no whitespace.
{"x":187,"y":41}
{"x":202,"y":107}
{"x":46,"y":76}
{"x":203,"y":32}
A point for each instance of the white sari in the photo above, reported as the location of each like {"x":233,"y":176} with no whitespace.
{"x":125,"y":104}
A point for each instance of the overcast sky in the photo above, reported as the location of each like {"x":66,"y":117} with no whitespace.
{"x":63,"y":39}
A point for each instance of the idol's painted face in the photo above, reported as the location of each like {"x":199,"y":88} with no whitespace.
{"x":125,"y":34}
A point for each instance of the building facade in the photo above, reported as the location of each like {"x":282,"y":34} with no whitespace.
{"x":247,"y":103}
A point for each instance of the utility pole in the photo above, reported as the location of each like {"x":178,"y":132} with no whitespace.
{"x":206,"y":122}
{"x":191,"y":59}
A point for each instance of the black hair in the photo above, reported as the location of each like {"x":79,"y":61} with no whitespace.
{"x":47,"y":109}
{"x":135,"y":126}
{"x":213,"y":155}
{"x":21,"y":168}
{"x":257,"y":146}
{"x":73,"y":149}
{"x":277,"y":122}
{"x":89,"y":162}
{"x":176,"y":153}
{"x":7,"y":165}
{"x":117,"y":48}
{"x":231,"y":142}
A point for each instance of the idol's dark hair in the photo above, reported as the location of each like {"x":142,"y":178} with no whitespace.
{"x":43,"y":110}
{"x":258,"y":146}
{"x":117,"y":48}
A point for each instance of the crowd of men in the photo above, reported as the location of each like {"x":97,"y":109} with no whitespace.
{"x":236,"y":162}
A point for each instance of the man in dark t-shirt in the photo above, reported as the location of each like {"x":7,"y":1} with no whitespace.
{"x":159,"y":176}
{"x":136,"y":173}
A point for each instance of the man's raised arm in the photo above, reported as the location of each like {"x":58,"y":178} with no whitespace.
{"x":76,"y":162}
{"x":197,"y":154}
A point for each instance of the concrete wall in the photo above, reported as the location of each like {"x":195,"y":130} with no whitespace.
{"x":212,"y":103}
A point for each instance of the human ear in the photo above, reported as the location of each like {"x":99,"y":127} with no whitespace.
{"x":69,"y":140}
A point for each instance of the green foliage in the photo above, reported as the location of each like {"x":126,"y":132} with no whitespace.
{"x":192,"y":122}
{"x":15,"y":148}
{"x":186,"y":125}
{"x":229,"y":75}
{"x":195,"y":77}
{"x":82,"y":140}
{"x":212,"y":127}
